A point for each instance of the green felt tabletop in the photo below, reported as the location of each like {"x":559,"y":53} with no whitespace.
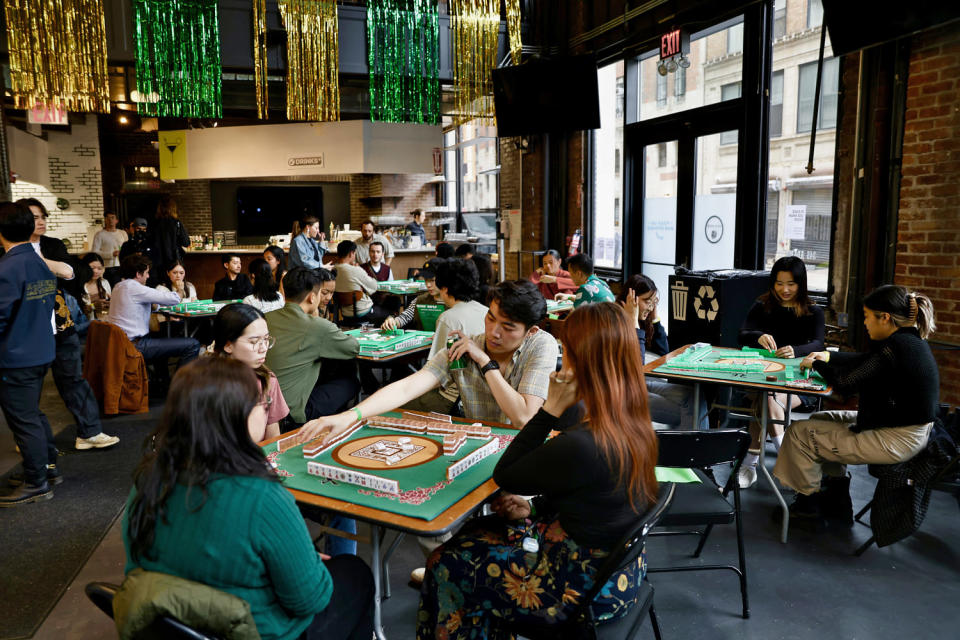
{"x":671,"y":474}
{"x":402,"y":286}
{"x":425,"y":492}
{"x":554,"y":306}
{"x":695,"y":364}
{"x":198,"y":307}
{"x":384,"y":343}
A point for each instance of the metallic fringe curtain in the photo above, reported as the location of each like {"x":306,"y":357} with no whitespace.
{"x":260,"y":56}
{"x":403,"y":40}
{"x":474,"y":26}
{"x":58,"y":54}
{"x":178,"y":58}
{"x":513,"y":29}
{"x":313,"y":59}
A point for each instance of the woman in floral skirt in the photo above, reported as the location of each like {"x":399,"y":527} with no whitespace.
{"x":535,"y":558}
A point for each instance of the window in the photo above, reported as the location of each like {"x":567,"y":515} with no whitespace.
{"x":729,"y":92}
{"x":814,"y":13}
{"x":827,"y":116}
{"x":471,"y":174}
{"x":661,"y":90}
{"x":662,"y":155}
{"x":735,"y":39}
{"x":606,"y":232}
{"x":779,"y":18}
{"x":776,"y":104}
{"x":680,"y":82}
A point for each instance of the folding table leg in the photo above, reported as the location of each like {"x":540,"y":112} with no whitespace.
{"x":764,"y":422}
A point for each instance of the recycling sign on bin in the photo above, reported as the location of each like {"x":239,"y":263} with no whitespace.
{"x":705,"y":303}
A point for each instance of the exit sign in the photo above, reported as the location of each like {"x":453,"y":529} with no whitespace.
{"x":673,"y":43}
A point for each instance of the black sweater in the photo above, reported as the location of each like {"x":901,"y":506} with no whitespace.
{"x":571,"y":478}
{"x":897,"y":381}
{"x":803,"y":333}
{"x":227,"y":289}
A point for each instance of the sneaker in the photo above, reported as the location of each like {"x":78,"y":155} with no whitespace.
{"x":747,"y":476}
{"x":416,"y":577}
{"x":25,"y":494}
{"x":53,"y":476}
{"x":99,"y":441}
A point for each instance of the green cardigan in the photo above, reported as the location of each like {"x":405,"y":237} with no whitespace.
{"x":247,"y":539}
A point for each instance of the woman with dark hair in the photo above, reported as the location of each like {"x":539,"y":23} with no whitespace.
{"x":206,"y":506}
{"x":782,"y":320}
{"x":647,"y":297}
{"x":266,"y":295}
{"x":278,"y":263}
{"x":242,"y":334}
{"x":898,"y":387}
{"x":482,"y":574}
{"x":305,"y":248}
{"x":175,"y":279}
{"x":168,"y":237}
{"x":485,"y":272}
{"x":96,"y":290}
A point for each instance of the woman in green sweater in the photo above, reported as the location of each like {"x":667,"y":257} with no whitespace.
{"x":206,"y":506}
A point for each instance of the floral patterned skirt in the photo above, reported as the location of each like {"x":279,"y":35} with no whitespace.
{"x":482,"y":574}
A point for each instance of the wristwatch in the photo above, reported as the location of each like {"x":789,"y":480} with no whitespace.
{"x":490,"y":366}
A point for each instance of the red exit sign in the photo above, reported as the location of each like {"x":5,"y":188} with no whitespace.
{"x":674,"y":43}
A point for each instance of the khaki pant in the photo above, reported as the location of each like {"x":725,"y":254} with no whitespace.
{"x":824,"y":444}
{"x":432,"y":400}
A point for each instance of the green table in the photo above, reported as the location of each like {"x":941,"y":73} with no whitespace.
{"x":385,"y":345}
{"x":559,"y":306}
{"x":190,"y":310}
{"x":402,"y":287}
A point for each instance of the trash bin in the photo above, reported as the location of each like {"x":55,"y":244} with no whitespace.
{"x":710,"y":306}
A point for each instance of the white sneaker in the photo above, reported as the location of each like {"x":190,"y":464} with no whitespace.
{"x":747,"y":476}
{"x":99,"y":441}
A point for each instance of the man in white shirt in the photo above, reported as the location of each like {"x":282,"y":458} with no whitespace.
{"x":351,"y":278}
{"x":368,"y":237}
{"x":107,"y":241}
{"x":130,"y":307}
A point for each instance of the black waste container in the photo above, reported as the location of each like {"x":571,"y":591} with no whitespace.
{"x":710,"y":306}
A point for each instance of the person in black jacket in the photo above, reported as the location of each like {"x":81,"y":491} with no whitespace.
{"x":785,"y":321}
{"x":898,"y":385}
{"x":533,"y":559}
{"x":168,"y":237}
{"x":235,"y":285}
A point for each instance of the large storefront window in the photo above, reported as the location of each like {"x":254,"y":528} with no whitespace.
{"x":607,"y":233}
{"x":472,"y":173}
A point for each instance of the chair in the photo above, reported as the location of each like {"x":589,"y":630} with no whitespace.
{"x":348,"y":299}
{"x":581,"y":623}
{"x":115,"y":370}
{"x":700,"y":504}
{"x":164,"y":628}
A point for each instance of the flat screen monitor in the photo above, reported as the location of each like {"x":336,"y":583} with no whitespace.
{"x":546,"y":96}
{"x":269,"y":211}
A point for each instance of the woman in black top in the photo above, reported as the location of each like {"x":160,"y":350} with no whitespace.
{"x":533,"y":560}
{"x":898,"y":387}
{"x":782,"y":320}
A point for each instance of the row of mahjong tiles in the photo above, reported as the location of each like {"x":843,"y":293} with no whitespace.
{"x":430,"y":462}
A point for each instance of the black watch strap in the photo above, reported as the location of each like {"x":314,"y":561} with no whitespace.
{"x":490,"y":366}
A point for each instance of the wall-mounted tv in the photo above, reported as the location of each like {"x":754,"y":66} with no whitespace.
{"x":269,"y":211}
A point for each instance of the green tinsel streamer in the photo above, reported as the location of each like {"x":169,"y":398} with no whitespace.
{"x":403,"y":52}
{"x":178,"y":58}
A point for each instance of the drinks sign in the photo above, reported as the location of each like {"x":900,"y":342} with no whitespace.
{"x":47,"y":114}
{"x":674,"y":43}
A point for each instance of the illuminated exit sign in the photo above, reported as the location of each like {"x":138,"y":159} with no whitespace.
{"x":673,"y":43}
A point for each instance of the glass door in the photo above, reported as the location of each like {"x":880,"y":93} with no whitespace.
{"x":660,"y":218}
{"x":715,"y":201}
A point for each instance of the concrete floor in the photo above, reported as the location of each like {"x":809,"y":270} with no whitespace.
{"x":812,"y":587}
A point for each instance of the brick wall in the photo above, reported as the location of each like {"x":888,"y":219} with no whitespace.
{"x":75,"y":176}
{"x":928,"y":234}
{"x":414,"y":192}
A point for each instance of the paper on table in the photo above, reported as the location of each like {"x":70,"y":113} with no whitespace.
{"x":673,"y":474}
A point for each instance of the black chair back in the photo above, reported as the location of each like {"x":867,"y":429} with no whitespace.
{"x":101,"y":594}
{"x":699,"y":449}
{"x":163,"y":628}
{"x":627,"y":550}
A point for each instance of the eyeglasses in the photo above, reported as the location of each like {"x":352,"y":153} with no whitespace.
{"x":266,"y":341}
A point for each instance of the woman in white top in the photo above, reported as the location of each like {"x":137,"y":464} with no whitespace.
{"x":265,"y":297}
{"x":175,"y":280}
{"x":96,"y":291}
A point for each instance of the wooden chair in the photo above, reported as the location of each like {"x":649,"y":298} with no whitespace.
{"x":348,"y":299}
{"x":581,"y":624}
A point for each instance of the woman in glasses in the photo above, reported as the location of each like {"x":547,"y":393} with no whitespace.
{"x":241,"y":334}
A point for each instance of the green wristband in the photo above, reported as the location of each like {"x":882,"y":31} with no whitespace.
{"x":357,"y":411}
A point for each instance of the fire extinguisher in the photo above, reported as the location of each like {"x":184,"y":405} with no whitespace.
{"x":574,"y":248}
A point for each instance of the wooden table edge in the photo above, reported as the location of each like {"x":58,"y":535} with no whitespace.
{"x":648,"y":370}
{"x":450,"y":517}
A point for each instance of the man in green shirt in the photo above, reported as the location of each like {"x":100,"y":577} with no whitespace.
{"x":590,"y":288}
{"x":314,"y":361}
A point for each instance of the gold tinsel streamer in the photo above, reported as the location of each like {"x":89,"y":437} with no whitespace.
{"x":260,"y":56}
{"x":513,"y":29}
{"x":58,"y":54}
{"x":475,"y":27}
{"x":313,"y":59}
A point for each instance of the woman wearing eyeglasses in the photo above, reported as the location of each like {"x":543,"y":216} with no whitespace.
{"x":241,"y":334}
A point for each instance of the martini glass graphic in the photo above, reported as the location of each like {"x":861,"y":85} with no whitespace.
{"x":171,"y":144}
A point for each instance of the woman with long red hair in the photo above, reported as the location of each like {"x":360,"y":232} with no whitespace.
{"x":534,"y":559}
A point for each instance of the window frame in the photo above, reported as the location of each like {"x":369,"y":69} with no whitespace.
{"x":458,"y":147}
{"x":812,"y":66}
{"x":773,"y":77}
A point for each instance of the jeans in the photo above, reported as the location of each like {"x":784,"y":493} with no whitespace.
{"x":349,"y":614}
{"x":672,"y":404}
{"x":337,"y":546}
{"x":20,"y":401}
{"x":336,"y":387}
{"x":73,"y":388}
{"x":184,"y":349}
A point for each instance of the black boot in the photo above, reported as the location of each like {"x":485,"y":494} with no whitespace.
{"x":53,"y":476}
{"x":805,"y":513}
{"x":26,"y":493}
{"x":835,"y":500}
